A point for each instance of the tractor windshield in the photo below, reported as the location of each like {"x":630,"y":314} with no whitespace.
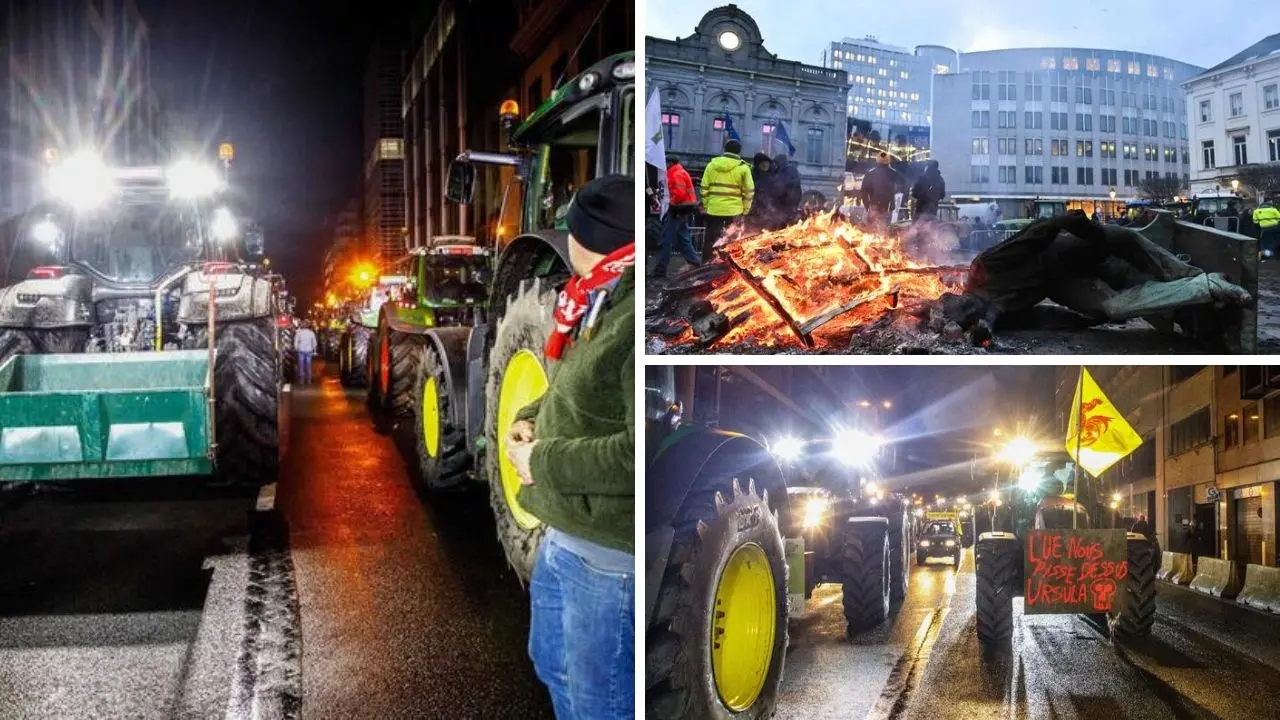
{"x":564,"y":163}
{"x":137,"y":242}
{"x":456,"y":280}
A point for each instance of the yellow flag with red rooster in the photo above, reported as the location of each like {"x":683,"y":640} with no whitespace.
{"x":1098,"y":436}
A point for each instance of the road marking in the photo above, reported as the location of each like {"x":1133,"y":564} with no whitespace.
{"x":905,"y":675}
{"x":267,"y":498}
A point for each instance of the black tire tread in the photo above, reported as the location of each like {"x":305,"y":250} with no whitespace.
{"x":406,"y":355}
{"x":1138,"y":612}
{"x":997,"y":568}
{"x":864,"y":555}
{"x":247,"y":403}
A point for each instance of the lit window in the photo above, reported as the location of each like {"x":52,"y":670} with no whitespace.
{"x":1113,"y":66}
{"x":1168,"y":73}
{"x":835,"y":54}
{"x":1048,"y":64}
{"x":1135,"y":68}
{"x":882,"y":72}
{"x":391,"y":149}
{"x":1070,"y":63}
{"x":670,"y":119}
{"x":1152,"y":71}
{"x":1092,"y":64}
{"x":905,"y":76}
{"x":717,"y":124}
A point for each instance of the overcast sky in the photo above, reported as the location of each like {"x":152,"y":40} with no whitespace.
{"x":801,"y":29}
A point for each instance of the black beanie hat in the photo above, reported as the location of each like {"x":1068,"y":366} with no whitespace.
{"x":602,"y":217}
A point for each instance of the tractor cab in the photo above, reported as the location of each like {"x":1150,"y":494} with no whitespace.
{"x":1056,"y":513}
{"x":1045,"y":209}
{"x":586,"y":129}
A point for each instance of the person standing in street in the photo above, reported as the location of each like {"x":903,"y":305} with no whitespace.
{"x":929,"y":191}
{"x":305,"y":343}
{"x":789,"y":192}
{"x":675,"y":228}
{"x":727,"y":192}
{"x":574,"y":450}
{"x":1267,"y":218}
{"x":878,"y":189}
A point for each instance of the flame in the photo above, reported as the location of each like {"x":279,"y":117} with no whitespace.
{"x":816,"y":282}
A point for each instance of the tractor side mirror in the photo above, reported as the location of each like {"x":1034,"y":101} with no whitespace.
{"x":460,"y":186}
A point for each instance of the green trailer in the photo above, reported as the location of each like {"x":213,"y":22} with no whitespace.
{"x":101,"y":415}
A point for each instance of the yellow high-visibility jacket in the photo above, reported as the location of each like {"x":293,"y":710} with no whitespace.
{"x":1266,"y":217}
{"x":727,"y":187}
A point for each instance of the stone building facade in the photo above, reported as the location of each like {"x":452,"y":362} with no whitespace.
{"x":723,"y":70}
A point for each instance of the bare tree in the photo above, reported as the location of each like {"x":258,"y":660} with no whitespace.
{"x":1161,"y":189}
{"x":1262,"y":179}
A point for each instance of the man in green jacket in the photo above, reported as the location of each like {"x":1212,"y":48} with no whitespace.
{"x":727,"y":192}
{"x":575,"y":452}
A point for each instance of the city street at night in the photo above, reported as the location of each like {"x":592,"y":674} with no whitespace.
{"x":965,"y":542}
{"x":1205,"y":658}
{"x":353,"y":595}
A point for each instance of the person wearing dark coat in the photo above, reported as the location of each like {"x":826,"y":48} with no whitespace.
{"x":789,"y":191}
{"x":764,"y":208}
{"x":878,"y":188}
{"x":929,"y":191}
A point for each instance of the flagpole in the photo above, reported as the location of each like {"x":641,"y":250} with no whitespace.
{"x":1075,"y":468}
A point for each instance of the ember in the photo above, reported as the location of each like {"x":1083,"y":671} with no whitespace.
{"x":811,"y":285}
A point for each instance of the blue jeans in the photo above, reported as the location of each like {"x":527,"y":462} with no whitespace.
{"x":582,"y":634}
{"x":304,"y":367}
{"x":675,"y":229}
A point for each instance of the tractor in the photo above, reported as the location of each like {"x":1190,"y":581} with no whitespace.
{"x":1000,"y":560}
{"x":480,"y":316}
{"x":143,"y":342}
{"x":731,"y":530}
{"x":354,"y":368}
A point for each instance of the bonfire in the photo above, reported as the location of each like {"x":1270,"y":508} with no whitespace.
{"x":811,"y":285}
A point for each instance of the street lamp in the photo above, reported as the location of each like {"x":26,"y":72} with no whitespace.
{"x":1113,"y":194}
{"x":1018,"y":452}
{"x":1235,"y":186}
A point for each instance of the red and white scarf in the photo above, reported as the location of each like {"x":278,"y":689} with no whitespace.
{"x":576,"y":297}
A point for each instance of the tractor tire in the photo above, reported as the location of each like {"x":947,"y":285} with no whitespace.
{"x":396,"y":385}
{"x":247,"y":402}
{"x":867,"y":569}
{"x":518,"y":339}
{"x":725,"y":531}
{"x":42,"y":342}
{"x":443,"y":460}
{"x":355,"y":351}
{"x":998,"y":562}
{"x":1138,"y":608}
{"x":899,"y":554}
{"x":288,"y":358}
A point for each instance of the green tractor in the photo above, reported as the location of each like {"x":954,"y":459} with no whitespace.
{"x":465,"y":353}
{"x":736,"y":538}
{"x":143,"y":342}
{"x":354,"y":367}
{"x":1001,"y":562}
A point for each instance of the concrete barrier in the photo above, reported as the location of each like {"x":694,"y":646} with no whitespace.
{"x":1175,"y":568}
{"x":1216,"y":577}
{"x":1261,"y":588}
{"x":1185,"y":572}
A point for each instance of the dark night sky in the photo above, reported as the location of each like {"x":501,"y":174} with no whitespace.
{"x":282,"y":80}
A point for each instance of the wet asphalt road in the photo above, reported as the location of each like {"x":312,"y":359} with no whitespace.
{"x":356,"y":597}
{"x":1204,"y":659}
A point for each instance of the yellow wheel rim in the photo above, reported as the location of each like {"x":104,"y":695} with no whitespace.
{"x":523,"y":381}
{"x":431,"y":418}
{"x":743,"y":628}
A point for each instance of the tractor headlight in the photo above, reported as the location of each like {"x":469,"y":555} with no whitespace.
{"x":855,"y":448}
{"x":924,"y":543}
{"x":815,"y":511}
{"x":46,"y":232}
{"x":83,"y":181}
{"x":190,"y":180}
{"x":223,"y":226}
{"x":951,"y":543}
